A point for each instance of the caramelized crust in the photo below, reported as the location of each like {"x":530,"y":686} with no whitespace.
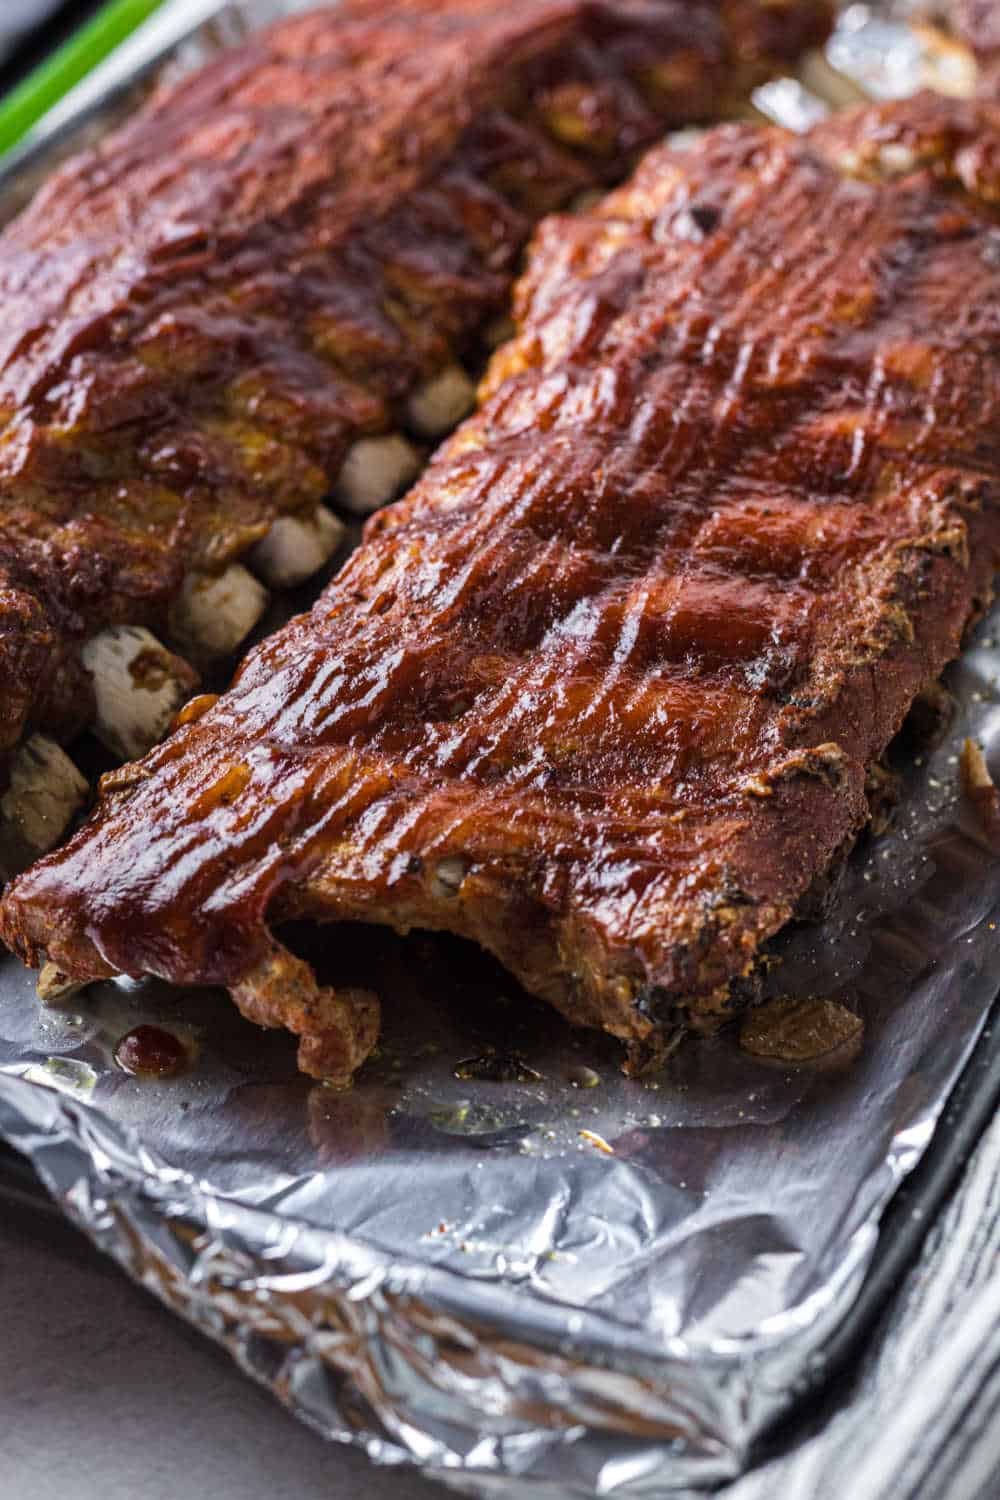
{"x":201,"y":315}
{"x":602,"y":692}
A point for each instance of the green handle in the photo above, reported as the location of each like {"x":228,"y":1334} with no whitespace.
{"x":25,"y":105}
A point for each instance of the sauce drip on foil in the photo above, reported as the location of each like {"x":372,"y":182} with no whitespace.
{"x":151,"y":1052}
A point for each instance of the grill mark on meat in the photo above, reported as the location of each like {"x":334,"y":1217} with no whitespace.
{"x":204,"y":313}
{"x":610,"y":721}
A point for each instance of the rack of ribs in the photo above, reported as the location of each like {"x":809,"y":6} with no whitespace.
{"x":601,"y":692}
{"x":263,"y":291}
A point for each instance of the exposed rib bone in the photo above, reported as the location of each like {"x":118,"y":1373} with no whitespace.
{"x":685,"y":140}
{"x":296,"y":547}
{"x":213,"y":614}
{"x":786,"y":102}
{"x":139,"y":685}
{"x":440,"y":403}
{"x":837,"y":89}
{"x":375,"y":471}
{"x":44,"y":791}
{"x":949,"y":66}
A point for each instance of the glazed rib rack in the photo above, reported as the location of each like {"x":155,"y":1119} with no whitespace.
{"x":265,"y":290}
{"x":602,"y":692}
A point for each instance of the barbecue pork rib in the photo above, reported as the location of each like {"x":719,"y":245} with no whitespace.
{"x":208,"y":321}
{"x":601,"y":692}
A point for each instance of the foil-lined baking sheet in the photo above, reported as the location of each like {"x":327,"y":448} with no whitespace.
{"x":495,"y":1257}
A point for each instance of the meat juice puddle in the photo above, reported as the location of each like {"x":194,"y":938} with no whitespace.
{"x":149,"y":1051}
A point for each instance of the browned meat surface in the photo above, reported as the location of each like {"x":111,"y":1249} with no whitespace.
{"x":200,"y":316}
{"x":602,"y":692}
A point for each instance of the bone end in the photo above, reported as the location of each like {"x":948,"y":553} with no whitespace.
{"x":375,"y":471}
{"x":296,"y":547}
{"x":138,"y":685}
{"x":817,"y":74}
{"x":44,"y":792}
{"x":439,"y":404}
{"x":212,"y":615}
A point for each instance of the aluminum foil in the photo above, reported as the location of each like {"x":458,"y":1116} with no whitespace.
{"x":559,"y":1283}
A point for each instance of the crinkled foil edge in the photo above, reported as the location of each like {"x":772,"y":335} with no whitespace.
{"x":392,"y":1358}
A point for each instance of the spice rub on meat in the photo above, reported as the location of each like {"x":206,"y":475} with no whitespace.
{"x":602,"y":691}
{"x":261,"y":291}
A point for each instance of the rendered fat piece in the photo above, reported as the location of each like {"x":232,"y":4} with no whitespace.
{"x":139,"y":685}
{"x":44,"y":791}
{"x":439,"y":404}
{"x":375,"y":471}
{"x":213,"y":614}
{"x":296,"y":547}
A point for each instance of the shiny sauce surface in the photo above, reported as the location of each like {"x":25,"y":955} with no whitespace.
{"x":150,"y":1051}
{"x":601,"y":692}
{"x":202,"y":313}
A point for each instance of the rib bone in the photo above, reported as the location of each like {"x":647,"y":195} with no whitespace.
{"x":948,"y":64}
{"x":375,"y":471}
{"x":139,"y":685}
{"x":296,"y":547}
{"x":213,"y":614}
{"x":835,"y":88}
{"x":44,"y":791}
{"x":440,"y":403}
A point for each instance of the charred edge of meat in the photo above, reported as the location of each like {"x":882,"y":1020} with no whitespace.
{"x":670,"y":1013}
{"x":882,"y":788}
{"x":674,"y":1020}
{"x":817,"y":902}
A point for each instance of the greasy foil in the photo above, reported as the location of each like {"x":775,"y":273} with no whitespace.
{"x":563,"y":1282}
